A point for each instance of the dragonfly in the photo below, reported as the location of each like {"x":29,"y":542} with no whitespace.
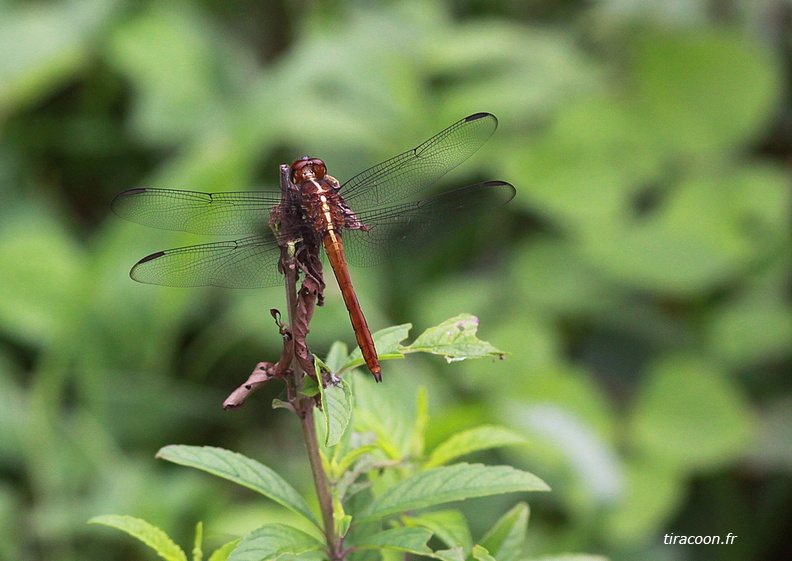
{"x":356,"y":222}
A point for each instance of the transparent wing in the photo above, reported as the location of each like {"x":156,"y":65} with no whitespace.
{"x":408,"y":173}
{"x":238,"y":213}
{"x":247,"y":263}
{"x":399,"y":230}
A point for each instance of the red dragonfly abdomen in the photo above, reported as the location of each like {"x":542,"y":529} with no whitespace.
{"x":334,"y":248}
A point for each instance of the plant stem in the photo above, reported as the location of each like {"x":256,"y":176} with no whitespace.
{"x":305,"y":410}
{"x":320,"y":482}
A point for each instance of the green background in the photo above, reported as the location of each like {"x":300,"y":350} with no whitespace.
{"x":640,"y":279}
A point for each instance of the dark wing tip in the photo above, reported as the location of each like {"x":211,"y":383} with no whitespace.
{"x":507,"y":190}
{"x":134,"y":274}
{"x":133,"y":191}
{"x":151,"y":257}
{"x":482,"y":115}
{"x":123,"y":195}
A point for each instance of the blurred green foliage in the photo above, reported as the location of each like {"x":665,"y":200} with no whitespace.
{"x":640,"y":279}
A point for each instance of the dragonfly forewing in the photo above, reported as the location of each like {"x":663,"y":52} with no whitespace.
{"x":237,"y":213}
{"x":403,"y":176}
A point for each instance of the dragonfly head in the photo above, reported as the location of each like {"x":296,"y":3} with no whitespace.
{"x":307,"y":168}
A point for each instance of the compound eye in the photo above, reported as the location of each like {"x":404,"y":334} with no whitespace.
{"x":297,"y":169}
{"x":319,"y":167}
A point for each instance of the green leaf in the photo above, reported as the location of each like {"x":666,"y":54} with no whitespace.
{"x":453,"y":554}
{"x":336,"y":410}
{"x":505,"y":539}
{"x":383,"y":441}
{"x":694,"y":241}
{"x":198,"y":543}
{"x":455,"y":339}
{"x":450,"y":526}
{"x":690,"y":415}
{"x":473,"y":440}
{"x":704,"y":89}
{"x":341,"y":519}
{"x":411,"y":540}
{"x":274,"y":540}
{"x":45,"y":45}
{"x":447,"y":484}
{"x":336,"y":356}
{"x":482,"y":554}
{"x":149,"y":534}
{"x":750,"y":330}
{"x":387,"y":341}
{"x":39,"y":295}
{"x":418,"y":441}
{"x":239,"y":469}
{"x":570,"y":557}
{"x":346,"y":462}
{"x":169,"y":55}
{"x":383,"y":416}
{"x":654,"y":491}
{"x":222,"y":552}
{"x":310,"y":386}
